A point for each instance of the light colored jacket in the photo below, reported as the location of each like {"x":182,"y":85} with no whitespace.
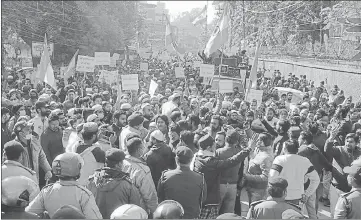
{"x":14,"y":168}
{"x":259,"y":167}
{"x":39,"y":125}
{"x":39,"y":158}
{"x":142,"y":178}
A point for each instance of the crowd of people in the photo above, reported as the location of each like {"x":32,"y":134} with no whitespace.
{"x":89,"y":151}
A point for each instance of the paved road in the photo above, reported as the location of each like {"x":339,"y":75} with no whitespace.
{"x":323,"y":212}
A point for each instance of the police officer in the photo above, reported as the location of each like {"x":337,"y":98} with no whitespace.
{"x":183,"y":185}
{"x":17,"y":192}
{"x":66,"y":191}
{"x":275,"y":205}
{"x":169,"y":209}
{"x":348,"y":205}
{"x":12,"y":166}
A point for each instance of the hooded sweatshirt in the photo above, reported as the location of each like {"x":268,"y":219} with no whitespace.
{"x":112,"y":188}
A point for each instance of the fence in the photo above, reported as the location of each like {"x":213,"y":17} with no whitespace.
{"x":348,"y":79}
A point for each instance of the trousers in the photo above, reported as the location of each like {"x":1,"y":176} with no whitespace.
{"x":228,"y":198}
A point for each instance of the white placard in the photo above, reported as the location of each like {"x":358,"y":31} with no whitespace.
{"x":197,"y":64}
{"x":85,"y":64}
{"x":152,"y":87}
{"x":144,"y":67}
{"x":38,"y":47}
{"x":102,"y":58}
{"x":108,"y":76}
{"x":179,"y":72}
{"x":130,"y":82}
{"x":207,"y":70}
{"x":255,"y":94}
{"x":225,"y":86}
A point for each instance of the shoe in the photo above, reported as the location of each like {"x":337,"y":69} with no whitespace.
{"x":326,"y":202}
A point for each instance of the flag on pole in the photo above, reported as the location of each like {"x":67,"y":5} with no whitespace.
{"x":201,"y":17}
{"x":46,"y":72}
{"x":220,"y":34}
{"x":170,"y":39}
{"x":71,"y":67}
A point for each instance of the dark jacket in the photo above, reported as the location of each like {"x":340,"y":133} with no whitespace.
{"x":341,"y":157}
{"x":52,"y":144}
{"x":117,"y":131}
{"x":319,"y":140}
{"x":318,"y":160}
{"x":229,"y":175}
{"x":184,"y":186}
{"x":112,"y":188}
{"x":211,"y":167}
{"x":160,"y":157}
{"x":278,"y":143}
{"x":5,"y":135}
{"x":16,"y":213}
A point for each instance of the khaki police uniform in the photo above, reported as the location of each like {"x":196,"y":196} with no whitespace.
{"x":349,"y":205}
{"x":270,"y":209}
{"x":13,"y":168}
{"x":56,"y":195}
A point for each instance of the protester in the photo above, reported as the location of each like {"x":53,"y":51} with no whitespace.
{"x":110,"y":186}
{"x":155,"y":139}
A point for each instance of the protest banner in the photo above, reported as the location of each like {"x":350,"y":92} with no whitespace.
{"x":179,"y":72}
{"x":255,"y":94}
{"x":152,"y":87}
{"x":85,"y":64}
{"x":225,"y":86}
{"x":130,"y":82}
{"x":207,"y":70}
{"x":38,"y":47}
{"x":102,"y":58}
{"x":144,"y":67}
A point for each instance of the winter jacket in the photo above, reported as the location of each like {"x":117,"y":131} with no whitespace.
{"x":159,"y":158}
{"x":51,"y":142}
{"x":211,"y":167}
{"x":316,"y":157}
{"x":16,"y":213}
{"x":278,"y":143}
{"x":341,"y":157}
{"x":141,"y":177}
{"x":259,"y":167}
{"x":112,"y":188}
{"x":33,"y":156}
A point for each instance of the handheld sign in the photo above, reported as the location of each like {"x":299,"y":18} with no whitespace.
{"x":179,"y":72}
{"x":255,"y":94}
{"x":85,"y":64}
{"x":102,"y":58}
{"x":130,"y":82}
{"x":207,"y":70}
{"x":152,"y":88}
{"x":225,"y":86}
{"x":144,"y":67}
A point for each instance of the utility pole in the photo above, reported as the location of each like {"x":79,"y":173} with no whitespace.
{"x":244,"y":25}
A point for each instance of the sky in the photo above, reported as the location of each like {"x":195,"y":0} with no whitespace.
{"x":177,"y":7}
